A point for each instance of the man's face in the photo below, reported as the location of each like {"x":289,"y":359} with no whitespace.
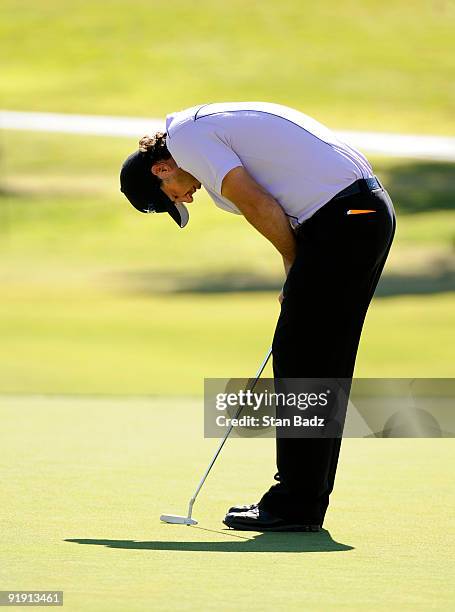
{"x":176,"y":183}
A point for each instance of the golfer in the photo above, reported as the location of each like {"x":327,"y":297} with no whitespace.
{"x":316,"y":199}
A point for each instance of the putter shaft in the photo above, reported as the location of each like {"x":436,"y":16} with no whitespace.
{"x":226,"y":436}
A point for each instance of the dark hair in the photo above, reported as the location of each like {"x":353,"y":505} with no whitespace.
{"x":154,"y":148}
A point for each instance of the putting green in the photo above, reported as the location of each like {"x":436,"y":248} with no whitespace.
{"x":85,"y":481}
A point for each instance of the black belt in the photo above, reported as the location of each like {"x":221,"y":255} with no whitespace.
{"x":361,"y":186}
{"x":366,"y":185}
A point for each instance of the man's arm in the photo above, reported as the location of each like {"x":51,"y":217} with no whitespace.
{"x":261,"y":210}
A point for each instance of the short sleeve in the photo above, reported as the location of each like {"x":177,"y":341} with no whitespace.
{"x":198,"y":149}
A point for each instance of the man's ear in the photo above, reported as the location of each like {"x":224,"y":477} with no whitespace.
{"x":163,"y":168}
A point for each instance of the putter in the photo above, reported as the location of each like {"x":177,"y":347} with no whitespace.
{"x":188,"y":520}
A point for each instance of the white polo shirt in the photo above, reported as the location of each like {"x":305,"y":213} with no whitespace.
{"x":299,"y":161}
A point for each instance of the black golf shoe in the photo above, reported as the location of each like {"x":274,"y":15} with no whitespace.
{"x":256,"y":519}
{"x":242,"y":508}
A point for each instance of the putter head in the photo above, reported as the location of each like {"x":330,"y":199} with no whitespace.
{"x":177,"y":520}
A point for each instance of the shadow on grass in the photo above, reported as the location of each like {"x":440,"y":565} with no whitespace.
{"x":176,"y":281}
{"x":264,"y":542}
{"x":6,"y":192}
{"x":417,"y":284}
{"x":418,"y":186}
{"x":152,"y":282}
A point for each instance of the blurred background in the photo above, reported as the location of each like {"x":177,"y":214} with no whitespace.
{"x":99,"y":299}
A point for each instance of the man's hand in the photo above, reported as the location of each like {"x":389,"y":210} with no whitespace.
{"x":261,"y":210}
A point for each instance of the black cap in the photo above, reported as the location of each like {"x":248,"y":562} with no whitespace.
{"x":143,"y":190}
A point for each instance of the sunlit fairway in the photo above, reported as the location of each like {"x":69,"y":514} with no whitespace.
{"x":356,"y":65}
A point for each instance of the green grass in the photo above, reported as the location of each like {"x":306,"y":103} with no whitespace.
{"x":353,"y":65}
{"x":88,"y":479}
{"x":98,"y":299}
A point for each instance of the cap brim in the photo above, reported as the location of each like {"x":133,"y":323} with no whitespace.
{"x":179,"y":213}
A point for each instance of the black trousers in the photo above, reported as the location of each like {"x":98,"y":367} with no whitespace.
{"x":339,"y":260}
